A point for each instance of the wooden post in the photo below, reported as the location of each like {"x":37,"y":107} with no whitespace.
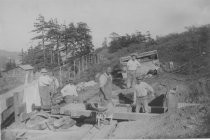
{"x":60,"y":76}
{"x":79,"y":67}
{"x":86,"y":62}
{"x":0,"y":124}
{"x":43,"y":47}
{"x":69,"y":71}
{"x":83,"y":63}
{"x":16,"y":106}
{"x":74,"y":69}
{"x":51,"y":56}
{"x":96,"y":58}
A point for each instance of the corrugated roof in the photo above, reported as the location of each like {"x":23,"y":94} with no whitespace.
{"x":26,"y":67}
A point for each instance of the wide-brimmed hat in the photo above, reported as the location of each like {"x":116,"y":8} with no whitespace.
{"x":134,"y":54}
{"x":43,"y":70}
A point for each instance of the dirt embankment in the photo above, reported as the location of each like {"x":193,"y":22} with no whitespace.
{"x":188,"y":122}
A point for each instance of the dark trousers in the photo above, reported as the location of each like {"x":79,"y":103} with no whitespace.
{"x":44,"y":92}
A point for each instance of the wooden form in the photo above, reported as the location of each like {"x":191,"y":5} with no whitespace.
{"x":14,"y":108}
{"x":116,"y":115}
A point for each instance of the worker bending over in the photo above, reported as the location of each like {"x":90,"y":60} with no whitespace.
{"x":132,"y":66}
{"x":69,"y":92}
{"x":105,"y":81}
{"x":141,"y":95}
{"x":44,"y":82}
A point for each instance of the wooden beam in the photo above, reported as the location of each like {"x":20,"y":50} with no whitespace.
{"x":76,"y":113}
{"x":116,"y":115}
{"x":6,"y":113}
{"x":132,"y":116}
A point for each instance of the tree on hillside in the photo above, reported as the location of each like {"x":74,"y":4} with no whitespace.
{"x":54,"y":39}
{"x":41,"y":27}
{"x":84,"y":39}
{"x":104,"y":43}
{"x":54,"y":36}
{"x":118,"y":42}
{"x":10,"y":65}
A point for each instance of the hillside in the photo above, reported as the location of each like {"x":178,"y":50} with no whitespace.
{"x":190,"y":47}
{"x":5,"y":55}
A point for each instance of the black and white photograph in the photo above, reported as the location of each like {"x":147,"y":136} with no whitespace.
{"x":104,"y":69}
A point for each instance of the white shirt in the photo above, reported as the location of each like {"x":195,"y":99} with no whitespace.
{"x":69,"y":90}
{"x":132,"y":65}
{"x":44,"y":80}
{"x":103,"y":79}
{"x":142,"y":89}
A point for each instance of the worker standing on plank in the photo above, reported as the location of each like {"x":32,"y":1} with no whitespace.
{"x":132,"y":66}
{"x":105,"y":81}
{"x":141,"y":93}
{"x":44,"y":87}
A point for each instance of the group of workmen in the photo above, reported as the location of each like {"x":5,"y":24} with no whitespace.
{"x":141,"y":88}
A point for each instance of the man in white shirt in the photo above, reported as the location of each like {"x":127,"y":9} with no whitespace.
{"x":69,"y":92}
{"x":69,"y":89}
{"x":141,"y":91}
{"x":105,"y":81}
{"x":132,"y":66}
{"x":44,"y":87}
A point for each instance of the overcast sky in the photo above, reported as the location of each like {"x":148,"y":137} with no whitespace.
{"x":160,"y":17}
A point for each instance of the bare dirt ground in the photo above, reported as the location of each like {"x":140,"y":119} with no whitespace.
{"x":188,"y":122}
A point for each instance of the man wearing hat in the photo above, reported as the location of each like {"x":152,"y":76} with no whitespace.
{"x":132,"y":66}
{"x":141,"y":92}
{"x":44,"y":82}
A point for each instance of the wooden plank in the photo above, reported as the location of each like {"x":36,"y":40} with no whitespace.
{"x":16,"y":106}
{"x":0,"y":126}
{"x":76,"y":113}
{"x":182,"y":105}
{"x":9,"y":102}
{"x":116,"y":115}
{"x":132,"y":116}
{"x":6,"y":113}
